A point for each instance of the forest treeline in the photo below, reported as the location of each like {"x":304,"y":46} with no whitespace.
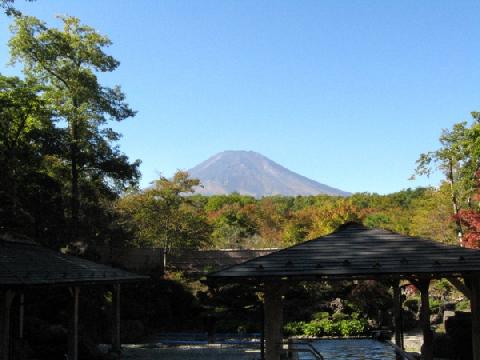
{"x":65,"y":182}
{"x":240,"y":221}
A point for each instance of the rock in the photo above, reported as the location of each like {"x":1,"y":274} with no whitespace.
{"x":443,"y":346}
{"x":436,"y":319}
{"x":459,"y":328}
{"x":410,"y":320}
{"x":449,"y":306}
{"x":88,"y":348}
{"x":337,"y":305}
{"x":416,"y":355}
{"x":447,"y":314}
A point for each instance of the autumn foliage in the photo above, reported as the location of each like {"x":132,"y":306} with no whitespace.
{"x":470,"y":219}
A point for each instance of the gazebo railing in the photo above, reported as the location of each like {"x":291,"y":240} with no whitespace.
{"x":306,"y":348}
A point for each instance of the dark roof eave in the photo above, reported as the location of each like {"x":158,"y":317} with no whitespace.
{"x":222,"y":280}
{"x":73,"y":282}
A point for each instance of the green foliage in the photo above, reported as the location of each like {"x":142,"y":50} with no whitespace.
{"x":434,"y":305}
{"x":162,"y":217}
{"x":321,"y":315}
{"x":65,"y":63}
{"x":431,"y":215}
{"x":459,"y":160}
{"x":231,"y":225}
{"x":294,"y":328}
{"x":463,"y":305}
{"x":443,"y":285}
{"x":217,"y":202}
{"x":337,"y":316}
{"x":27,"y":138}
{"x":238,"y":221}
{"x":377,"y":221}
{"x":327,"y":327}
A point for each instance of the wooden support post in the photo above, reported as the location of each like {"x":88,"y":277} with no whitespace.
{"x":262,"y":336}
{"x":273,"y":315}
{"x":73,"y":328}
{"x":116,"y":344}
{"x":427,"y":348}
{"x":397,"y":308}
{"x":475,"y":306}
{"x":8,"y":297}
{"x":290,"y":348}
{"x":21,"y":315}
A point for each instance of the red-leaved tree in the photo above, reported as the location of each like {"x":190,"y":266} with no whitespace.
{"x":470,"y":219}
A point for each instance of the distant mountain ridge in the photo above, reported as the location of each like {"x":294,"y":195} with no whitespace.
{"x":251,"y":173}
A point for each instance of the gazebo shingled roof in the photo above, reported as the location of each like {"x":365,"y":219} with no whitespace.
{"x":27,"y":264}
{"x":356,"y":252}
{"x":24,"y":264}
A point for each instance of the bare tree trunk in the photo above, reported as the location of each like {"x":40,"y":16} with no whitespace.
{"x":458,"y":224}
{"x":74,"y":185}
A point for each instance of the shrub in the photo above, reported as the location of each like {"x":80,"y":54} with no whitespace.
{"x":327,"y":327}
{"x":463,"y":305}
{"x":321,"y":315}
{"x":338,"y":316}
{"x":294,"y":328}
{"x":353,"y":327}
{"x":314,"y":328}
{"x":434,"y":305}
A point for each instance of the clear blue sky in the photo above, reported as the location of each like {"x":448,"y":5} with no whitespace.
{"x":348,"y":93}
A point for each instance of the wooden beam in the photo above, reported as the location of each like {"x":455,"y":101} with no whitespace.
{"x":475,"y":306}
{"x":462,"y":287}
{"x":73,"y":328}
{"x":273,"y":315}
{"x":397,"y":308}
{"x":116,"y":344}
{"x":8,"y":297}
{"x":427,"y":348}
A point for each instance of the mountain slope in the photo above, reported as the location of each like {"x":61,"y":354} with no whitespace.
{"x":251,"y":173}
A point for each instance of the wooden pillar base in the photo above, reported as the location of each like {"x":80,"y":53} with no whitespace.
{"x":116,"y":344}
{"x":73,"y":328}
{"x":397,"y":308}
{"x":475,"y":306}
{"x":6,"y":305}
{"x":273,"y":317}
{"x":427,"y":348}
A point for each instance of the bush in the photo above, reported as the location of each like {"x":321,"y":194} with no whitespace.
{"x":327,"y":327}
{"x":321,"y":315}
{"x":314,"y":328}
{"x":338,"y":316}
{"x":353,"y":327}
{"x":435,"y":305}
{"x":463,"y":305}
{"x":294,"y":328}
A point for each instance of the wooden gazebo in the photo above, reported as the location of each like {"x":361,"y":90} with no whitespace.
{"x":355,"y":252}
{"x":25,"y":265}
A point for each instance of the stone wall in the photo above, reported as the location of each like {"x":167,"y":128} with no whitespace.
{"x":192,"y":261}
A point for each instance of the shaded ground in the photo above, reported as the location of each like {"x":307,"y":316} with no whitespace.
{"x":189,"y":352}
